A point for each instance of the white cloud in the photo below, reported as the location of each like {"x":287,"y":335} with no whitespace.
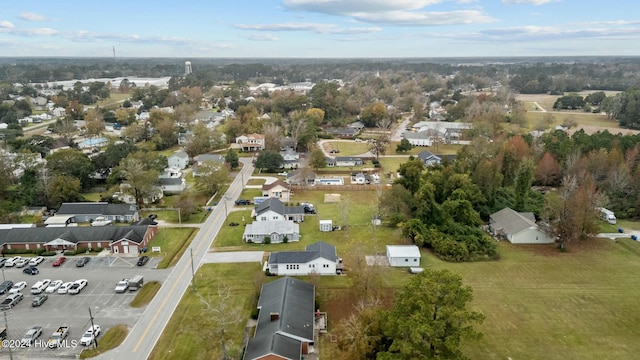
{"x":532,"y":2}
{"x":345,"y":7}
{"x":261,"y":37}
{"x":6,"y":25}
{"x":318,"y":28}
{"x":29,"y":16}
{"x":396,"y":12}
{"x":408,"y":18}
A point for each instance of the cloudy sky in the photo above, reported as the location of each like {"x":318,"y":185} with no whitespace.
{"x":319,"y":28}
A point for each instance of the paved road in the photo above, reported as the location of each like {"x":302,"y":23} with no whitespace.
{"x":145,"y":334}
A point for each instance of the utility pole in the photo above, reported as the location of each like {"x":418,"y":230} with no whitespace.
{"x":6,"y":327}
{"x":226,"y":212}
{"x":95,"y":338}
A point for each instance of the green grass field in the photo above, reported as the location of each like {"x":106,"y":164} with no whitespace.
{"x":191,"y":332}
{"x":172,"y":243}
{"x":543,"y":304}
{"x":347,"y":148}
{"x":114,"y":101}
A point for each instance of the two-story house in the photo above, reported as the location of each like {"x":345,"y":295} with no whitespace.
{"x":277,"y":189}
{"x":273,"y":209}
{"x":251,"y":142}
{"x":179,"y":160}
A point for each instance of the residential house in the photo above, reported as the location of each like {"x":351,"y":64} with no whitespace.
{"x":429,"y":159}
{"x":348,"y":161}
{"x":517,"y":227}
{"x":346,"y":132}
{"x":277,"y":189}
{"x":273,"y":209}
{"x":301,"y":177}
{"x":276,"y":231}
{"x":291,"y":158}
{"x":403,"y":255}
{"x":179,"y":160}
{"x":184,"y":137}
{"x":172,"y":185}
{"x":120,"y":239}
{"x":285,"y":326}
{"x":215,"y":159}
{"x":331,"y":162}
{"x":357,"y":125}
{"x":84,"y":212}
{"x":318,"y":258}
{"x":251,"y":142}
{"x":418,"y":138}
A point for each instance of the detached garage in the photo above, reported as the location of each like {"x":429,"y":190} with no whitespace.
{"x":403,"y":255}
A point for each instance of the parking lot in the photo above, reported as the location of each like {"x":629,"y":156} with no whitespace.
{"x":107,"y":307}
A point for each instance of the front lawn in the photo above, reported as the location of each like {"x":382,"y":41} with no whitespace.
{"x":172,"y":242}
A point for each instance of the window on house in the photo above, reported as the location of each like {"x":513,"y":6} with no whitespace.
{"x":406,"y":260}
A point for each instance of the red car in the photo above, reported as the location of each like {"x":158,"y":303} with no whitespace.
{"x":59,"y":261}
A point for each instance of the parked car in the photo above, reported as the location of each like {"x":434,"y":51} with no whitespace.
{"x":39,"y":300}
{"x":11,"y":301}
{"x":53,"y":287}
{"x":18,"y":287}
{"x":36,"y":261}
{"x":40,"y":286}
{"x":5,"y":286}
{"x":59,"y":261}
{"x":143,"y":260}
{"x":83,"y":261}
{"x":12,"y":261}
{"x":90,"y":335}
{"x":284,"y":173}
{"x":243,"y":202}
{"x":2,"y":261}
{"x":122,"y":286}
{"x":64,"y":288}
{"x":334,"y":151}
{"x":22,"y":262}
{"x":77,"y":286}
{"x":31,"y":270}
{"x":31,"y":336}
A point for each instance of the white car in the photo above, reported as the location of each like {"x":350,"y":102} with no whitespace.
{"x":18,"y":287}
{"x":64,"y":287}
{"x":31,"y":336}
{"x":36,"y":261}
{"x":40,"y":286}
{"x":77,"y":286}
{"x":90,"y":335}
{"x":22,"y":262}
{"x":12,"y":262}
{"x":282,"y":173}
{"x":54,"y":286}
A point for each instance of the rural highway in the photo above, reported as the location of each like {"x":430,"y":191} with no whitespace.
{"x":145,"y":334}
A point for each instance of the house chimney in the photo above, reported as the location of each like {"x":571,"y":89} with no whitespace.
{"x":275,"y":316}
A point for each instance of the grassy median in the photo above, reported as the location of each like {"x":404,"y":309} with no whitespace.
{"x":111,"y":339}
{"x":146,"y":294}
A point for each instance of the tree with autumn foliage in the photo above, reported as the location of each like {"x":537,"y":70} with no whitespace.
{"x":548,"y":171}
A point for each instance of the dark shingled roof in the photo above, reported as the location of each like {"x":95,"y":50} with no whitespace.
{"x":96,"y":208}
{"x":43,"y":235}
{"x":293,"y":300}
{"x":313,"y":251}
{"x":277,"y":206}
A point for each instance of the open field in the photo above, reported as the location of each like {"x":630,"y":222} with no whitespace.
{"x":115,"y":100}
{"x":172,"y":242}
{"x":346,"y":148}
{"x":191,"y":332}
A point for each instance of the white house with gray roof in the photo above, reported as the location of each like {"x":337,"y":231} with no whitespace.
{"x":179,"y":159}
{"x":517,"y":227}
{"x":273,"y":209}
{"x":318,"y":258}
{"x":276,"y":231}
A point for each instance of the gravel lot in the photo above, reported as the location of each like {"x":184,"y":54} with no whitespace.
{"x":107,"y":307}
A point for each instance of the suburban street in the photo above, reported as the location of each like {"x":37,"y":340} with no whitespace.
{"x":145,"y":334}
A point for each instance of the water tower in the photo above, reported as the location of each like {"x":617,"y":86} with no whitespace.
{"x":187,"y":67}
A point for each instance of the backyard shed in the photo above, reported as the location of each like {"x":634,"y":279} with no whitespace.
{"x":403,"y":255}
{"x":326,"y":225}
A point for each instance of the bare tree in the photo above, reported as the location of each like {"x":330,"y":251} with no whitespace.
{"x":296,"y":125}
{"x":379,"y":145}
{"x":272,"y":137}
{"x":225,"y":314}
